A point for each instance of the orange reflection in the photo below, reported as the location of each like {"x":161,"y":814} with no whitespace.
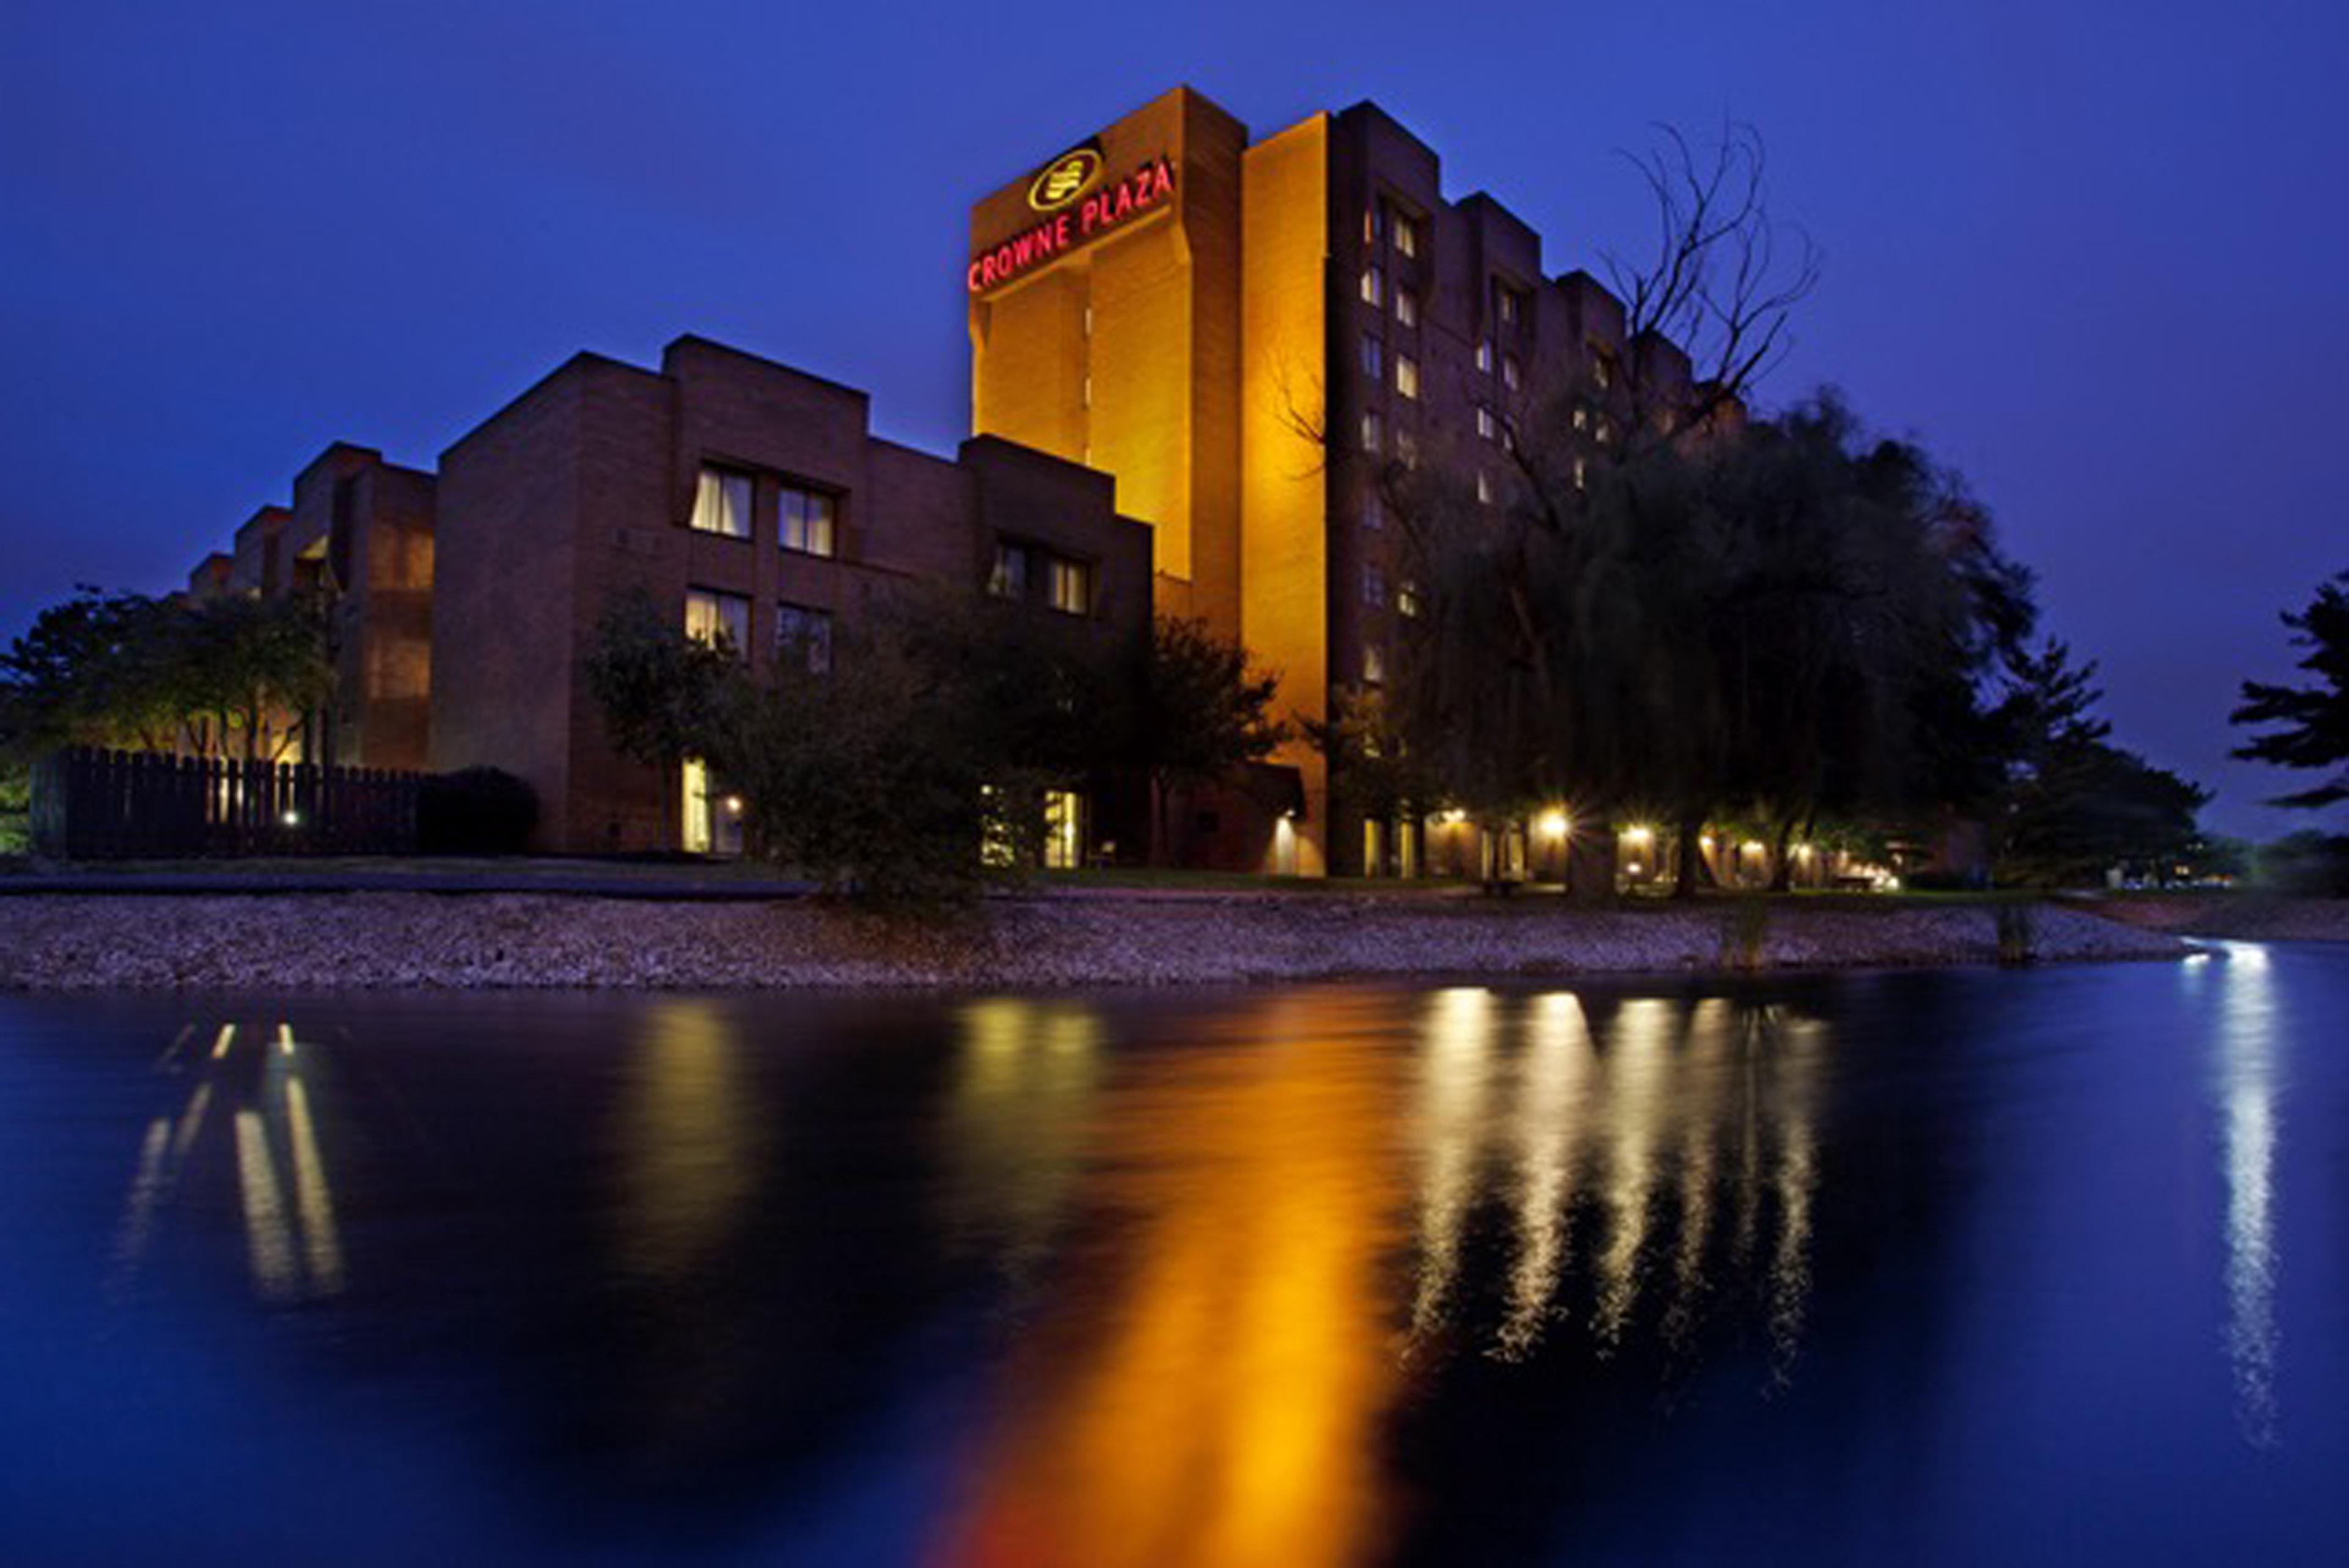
{"x":1218,"y":1407}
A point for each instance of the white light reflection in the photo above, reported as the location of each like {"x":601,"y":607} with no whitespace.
{"x":1553,"y":1075}
{"x":1026,"y":1080}
{"x":322,"y":1246}
{"x":139,"y":1210}
{"x":1455,"y":1073}
{"x":1637,"y":1062}
{"x":268,"y":1238}
{"x":2249,"y":1089}
{"x":1699,"y":1075}
{"x":1802,"y":1049}
{"x":192,"y":1121}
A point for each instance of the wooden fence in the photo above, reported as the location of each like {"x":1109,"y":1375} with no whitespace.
{"x":94,"y":805}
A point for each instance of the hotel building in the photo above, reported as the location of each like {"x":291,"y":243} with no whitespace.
{"x":1202,"y":364}
{"x":1255,"y":337}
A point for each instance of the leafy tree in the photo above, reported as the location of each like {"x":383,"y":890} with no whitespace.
{"x":1783,"y":621}
{"x":664,"y":696}
{"x":909,"y":769}
{"x":2075,"y":806}
{"x":2312,"y":722}
{"x":212,"y":677}
{"x":1205,"y":712}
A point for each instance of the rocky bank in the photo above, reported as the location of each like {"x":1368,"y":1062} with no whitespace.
{"x":81,"y":941}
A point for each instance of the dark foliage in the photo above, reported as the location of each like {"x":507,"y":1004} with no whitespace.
{"x":475,"y":811}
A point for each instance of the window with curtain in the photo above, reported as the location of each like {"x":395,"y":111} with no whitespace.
{"x":721,"y":503}
{"x":808,"y":517}
{"x":719,"y":620}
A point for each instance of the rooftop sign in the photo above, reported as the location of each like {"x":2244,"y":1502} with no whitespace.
{"x":1086,"y":210}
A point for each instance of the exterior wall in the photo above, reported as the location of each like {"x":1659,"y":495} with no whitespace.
{"x":360,"y":531}
{"x":1286,"y":557}
{"x":1123,"y":352}
{"x":505,"y":581}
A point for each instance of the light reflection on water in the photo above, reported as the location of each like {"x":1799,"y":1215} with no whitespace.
{"x":2249,"y":1086}
{"x":1294,"y":1276}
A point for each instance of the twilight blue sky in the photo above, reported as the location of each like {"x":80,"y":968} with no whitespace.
{"x":2094,"y":254}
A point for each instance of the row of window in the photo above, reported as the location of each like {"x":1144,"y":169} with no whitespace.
{"x":1374,"y":292}
{"x":1383,"y":221}
{"x":806,"y":520}
{"x":722,"y":620}
{"x":1374,"y":439}
{"x":1024,"y":570}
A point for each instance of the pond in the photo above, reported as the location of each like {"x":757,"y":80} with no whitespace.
{"x":1955,"y":1267}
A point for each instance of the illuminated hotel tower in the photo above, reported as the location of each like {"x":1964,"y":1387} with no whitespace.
{"x":1246,"y":334}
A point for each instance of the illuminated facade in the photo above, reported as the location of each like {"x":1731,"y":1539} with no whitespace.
{"x":1253,"y":336}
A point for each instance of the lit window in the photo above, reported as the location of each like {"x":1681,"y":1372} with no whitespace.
{"x":1373,"y":358}
{"x":720,"y":621}
{"x":1374,"y":223}
{"x":1486,"y":427}
{"x":721,"y":503}
{"x":1374,"y":512}
{"x":713,"y":824}
{"x":1407,"y":449}
{"x":1483,"y":487}
{"x":1484,"y":356}
{"x":1407,"y":597}
{"x":803,"y":635}
{"x":1014,"y":565}
{"x":1406,"y":305}
{"x":1507,"y":302}
{"x":1374,"y":285}
{"x":1064,"y":829}
{"x":1375,"y":664}
{"x":807,"y":520}
{"x":1581,"y":474}
{"x":1511,"y":372}
{"x":1070,"y":586}
{"x":1601,"y":373}
{"x":1406,"y":235}
{"x":1581,"y":417}
{"x":1374,"y":584}
{"x":1606,"y":432}
{"x":1374,"y":431}
{"x":1406,"y":375}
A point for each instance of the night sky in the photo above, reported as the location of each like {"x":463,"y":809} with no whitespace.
{"x":2093,"y":255}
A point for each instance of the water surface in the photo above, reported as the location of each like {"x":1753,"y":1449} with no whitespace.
{"x":1946,"y":1267}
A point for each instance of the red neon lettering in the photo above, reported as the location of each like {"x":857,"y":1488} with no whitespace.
{"x":1104,"y":209}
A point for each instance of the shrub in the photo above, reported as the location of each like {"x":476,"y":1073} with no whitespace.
{"x":2306,"y":864}
{"x":2018,"y":934}
{"x":1745,"y":933}
{"x":475,"y":811}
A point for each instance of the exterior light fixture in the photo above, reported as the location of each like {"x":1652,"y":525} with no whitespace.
{"x":292,"y":818}
{"x":734,"y":805}
{"x":1554,"y":824}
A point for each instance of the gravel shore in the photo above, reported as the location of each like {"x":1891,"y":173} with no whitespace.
{"x":67,"y":941}
{"x":2243,"y":917}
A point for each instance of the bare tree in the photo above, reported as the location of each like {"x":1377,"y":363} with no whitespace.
{"x":1721,"y":283}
